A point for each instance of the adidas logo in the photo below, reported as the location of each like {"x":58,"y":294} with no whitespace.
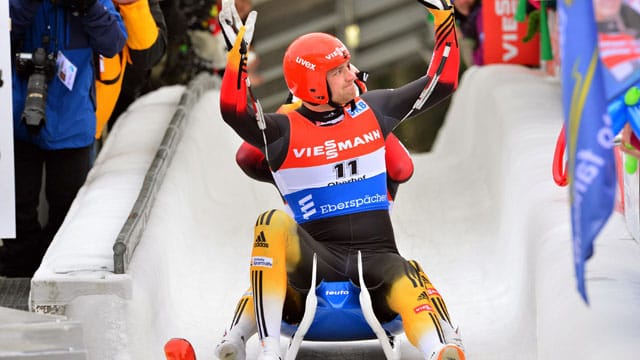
{"x":261,"y":241}
{"x":423,"y":296}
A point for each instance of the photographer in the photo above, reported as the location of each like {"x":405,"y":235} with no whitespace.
{"x":123,"y":78}
{"x":54,"y":117}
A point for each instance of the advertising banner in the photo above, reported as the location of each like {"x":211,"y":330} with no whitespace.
{"x":503,"y":35}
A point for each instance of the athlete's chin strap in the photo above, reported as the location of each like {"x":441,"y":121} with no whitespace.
{"x":352,"y":103}
{"x":337,"y":106}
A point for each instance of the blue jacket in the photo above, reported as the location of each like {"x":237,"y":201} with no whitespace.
{"x":70,"y":113}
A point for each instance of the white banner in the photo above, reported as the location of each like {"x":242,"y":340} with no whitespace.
{"x":7,"y":193}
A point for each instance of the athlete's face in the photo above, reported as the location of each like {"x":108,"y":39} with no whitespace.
{"x":340,"y":80}
{"x":464,"y":6}
{"x":242,"y":6}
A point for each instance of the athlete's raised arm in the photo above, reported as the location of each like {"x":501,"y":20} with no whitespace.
{"x":440,"y":81}
{"x":236,"y":108}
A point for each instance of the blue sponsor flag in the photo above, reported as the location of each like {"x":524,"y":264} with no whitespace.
{"x":591,"y":164}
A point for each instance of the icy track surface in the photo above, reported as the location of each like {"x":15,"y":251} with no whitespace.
{"x":481,"y":214}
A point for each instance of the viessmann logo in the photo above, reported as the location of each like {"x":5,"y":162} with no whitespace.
{"x":340,"y":51}
{"x":421,"y":308}
{"x":331,"y":148}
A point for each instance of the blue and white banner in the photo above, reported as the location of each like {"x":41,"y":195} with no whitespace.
{"x":7,"y":197}
{"x":591,"y":165}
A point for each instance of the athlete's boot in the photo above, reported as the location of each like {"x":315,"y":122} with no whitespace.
{"x":448,"y":352}
{"x":269,"y":355}
{"x":231,"y":348}
{"x":451,"y":334}
{"x":270,"y":349}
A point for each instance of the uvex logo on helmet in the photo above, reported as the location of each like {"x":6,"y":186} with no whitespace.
{"x":306,"y":63}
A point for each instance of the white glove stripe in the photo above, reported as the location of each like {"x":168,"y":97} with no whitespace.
{"x":249,"y":26}
{"x":230,"y":22}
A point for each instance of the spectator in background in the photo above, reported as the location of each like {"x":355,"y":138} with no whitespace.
{"x":243,"y":7}
{"x":181,"y":62}
{"x":630,"y":143}
{"x":123,"y":77}
{"x":195,"y":41}
{"x":618,"y":37}
{"x":171,"y":69}
{"x":54,"y":116}
{"x":469,"y":25}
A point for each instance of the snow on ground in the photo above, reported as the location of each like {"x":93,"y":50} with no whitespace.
{"x":481,"y":214}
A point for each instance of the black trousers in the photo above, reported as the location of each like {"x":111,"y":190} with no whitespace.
{"x":65,"y":172}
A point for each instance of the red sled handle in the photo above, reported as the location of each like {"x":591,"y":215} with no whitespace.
{"x":558,"y":168}
{"x":179,"y":349}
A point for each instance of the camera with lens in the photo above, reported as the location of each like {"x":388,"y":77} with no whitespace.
{"x":39,"y":67}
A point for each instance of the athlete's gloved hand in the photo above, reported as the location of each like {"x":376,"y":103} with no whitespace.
{"x":230,"y":22}
{"x":437,"y":4}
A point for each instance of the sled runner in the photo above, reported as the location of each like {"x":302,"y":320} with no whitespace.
{"x":341,"y":311}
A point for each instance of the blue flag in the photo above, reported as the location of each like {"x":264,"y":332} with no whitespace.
{"x":591,"y":165}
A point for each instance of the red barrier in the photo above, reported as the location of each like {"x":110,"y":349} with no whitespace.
{"x":559,"y":167}
{"x":503,"y":35}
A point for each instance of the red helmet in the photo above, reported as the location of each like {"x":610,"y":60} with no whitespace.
{"x":306,"y":63}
